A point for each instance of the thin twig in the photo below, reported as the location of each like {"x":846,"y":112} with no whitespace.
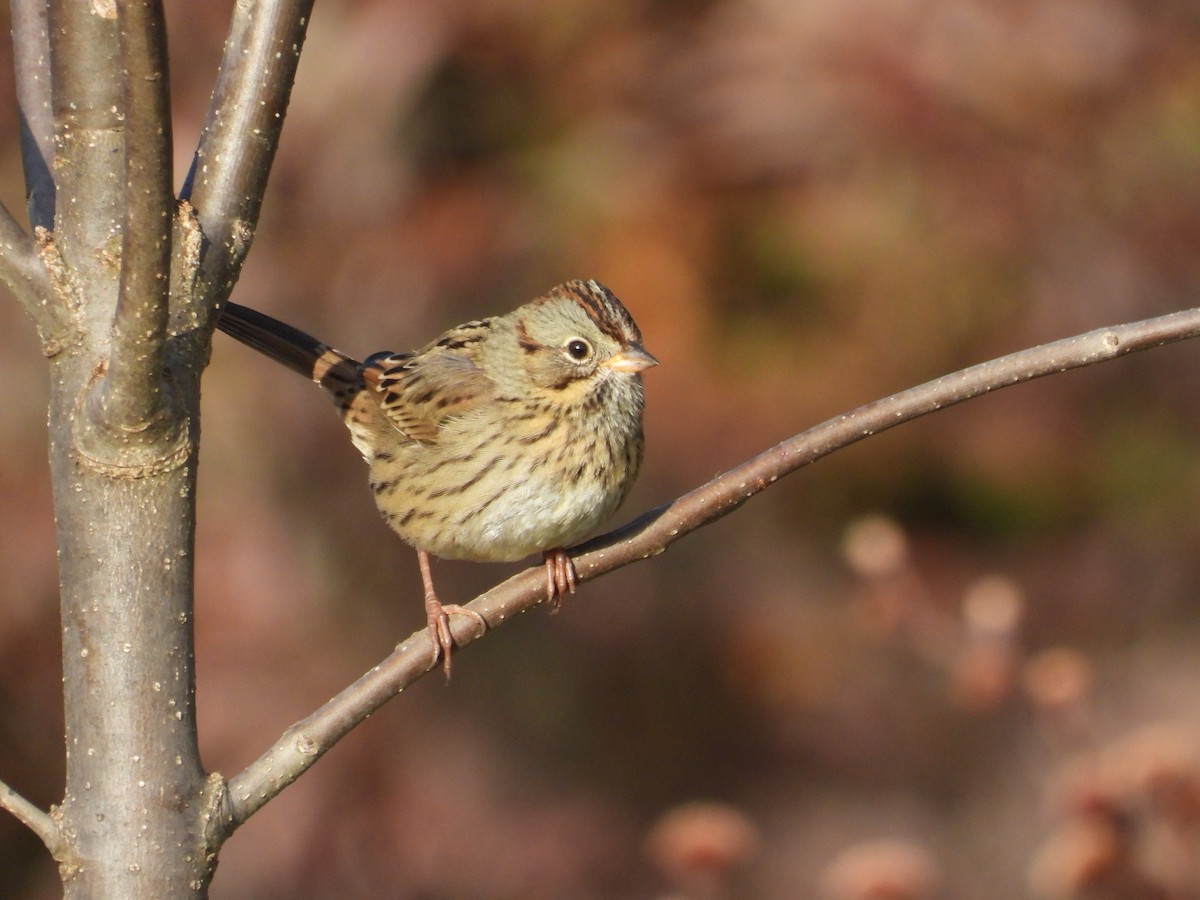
{"x":35,"y":819}
{"x":229,"y":172}
{"x":305,"y":742}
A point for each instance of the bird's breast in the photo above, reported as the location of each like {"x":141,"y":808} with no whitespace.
{"x":500,"y":488}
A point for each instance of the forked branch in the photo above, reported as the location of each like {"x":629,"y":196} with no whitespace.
{"x":303,"y":743}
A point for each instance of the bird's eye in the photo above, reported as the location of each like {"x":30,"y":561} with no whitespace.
{"x":578,"y":349}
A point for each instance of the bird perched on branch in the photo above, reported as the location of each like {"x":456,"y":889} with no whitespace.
{"x":504,"y":437}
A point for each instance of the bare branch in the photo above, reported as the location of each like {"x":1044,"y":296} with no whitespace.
{"x":20,"y":267}
{"x":85,"y":70}
{"x":31,"y":63}
{"x":87,"y":102}
{"x":22,"y":270}
{"x":229,"y":172}
{"x":306,"y":741}
{"x":134,"y":383}
{"x":33,"y":818}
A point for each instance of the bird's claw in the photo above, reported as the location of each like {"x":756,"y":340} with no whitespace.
{"x":561,"y":577}
{"x":440,"y":635}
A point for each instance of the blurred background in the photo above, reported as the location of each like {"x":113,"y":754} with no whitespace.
{"x":953,"y":661}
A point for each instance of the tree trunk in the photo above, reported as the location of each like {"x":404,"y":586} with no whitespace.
{"x":135,"y":787}
{"x":123,"y":291}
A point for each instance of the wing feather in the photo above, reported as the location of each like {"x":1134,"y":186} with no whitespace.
{"x":419,"y":392}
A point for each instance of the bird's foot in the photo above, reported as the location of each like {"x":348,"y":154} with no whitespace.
{"x":560,"y":577}
{"x":438,"y":617}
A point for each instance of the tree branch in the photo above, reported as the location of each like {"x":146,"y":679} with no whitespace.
{"x":20,"y":267}
{"x":86,"y":101}
{"x":132,"y":392}
{"x":307,"y":740}
{"x":31,"y":64}
{"x":22,"y":270}
{"x":19,"y":264}
{"x":33,"y":818}
{"x":229,"y":172}
{"x":85,"y":71}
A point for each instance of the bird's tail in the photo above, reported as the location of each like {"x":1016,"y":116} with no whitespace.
{"x":340,"y":375}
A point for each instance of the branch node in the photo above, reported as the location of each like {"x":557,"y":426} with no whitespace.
{"x":41,"y":823}
{"x":144,"y":450}
{"x":306,"y":745}
{"x":216,"y":813}
{"x":63,"y":286}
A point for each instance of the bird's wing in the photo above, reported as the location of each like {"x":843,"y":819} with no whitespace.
{"x":417,"y":392}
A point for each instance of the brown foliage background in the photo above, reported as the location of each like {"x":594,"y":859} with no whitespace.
{"x":954,"y":659}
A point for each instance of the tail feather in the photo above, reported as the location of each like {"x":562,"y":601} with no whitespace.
{"x":339,"y":374}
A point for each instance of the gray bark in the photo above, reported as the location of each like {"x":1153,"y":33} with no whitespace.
{"x":122,"y":288}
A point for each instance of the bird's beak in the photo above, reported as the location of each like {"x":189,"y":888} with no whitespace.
{"x":631,"y":359}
